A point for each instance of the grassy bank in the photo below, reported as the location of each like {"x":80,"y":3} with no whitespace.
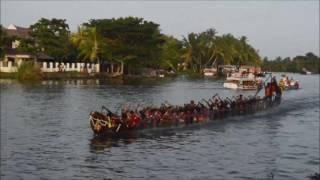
{"x":25,"y":76}
{"x":4,"y":75}
{"x":29,"y":71}
{"x":73,"y":75}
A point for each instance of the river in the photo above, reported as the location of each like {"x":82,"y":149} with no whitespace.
{"x":45,"y":133}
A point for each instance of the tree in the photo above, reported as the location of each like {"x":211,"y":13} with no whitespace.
{"x":131,"y":41}
{"x":3,"y":41}
{"x":237,"y":51}
{"x":51,"y":37}
{"x":225,"y":50}
{"x":206,"y":48}
{"x":87,"y":43}
{"x":309,"y":61}
{"x":26,"y":45}
{"x":199,"y":49}
{"x":170,"y":53}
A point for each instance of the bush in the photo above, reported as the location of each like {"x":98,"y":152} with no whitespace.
{"x":29,"y":71}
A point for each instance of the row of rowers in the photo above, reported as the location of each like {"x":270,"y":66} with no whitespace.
{"x":167,"y":114}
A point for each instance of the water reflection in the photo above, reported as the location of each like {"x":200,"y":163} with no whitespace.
{"x":101,"y":143}
{"x":171,"y":135}
{"x":45,"y":129}
{"x":112,"y":81}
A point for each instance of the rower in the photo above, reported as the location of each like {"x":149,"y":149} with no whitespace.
{"x":267,"y":91}
{"x":281,"y":84}
{"x":240,"y":104}
{"x":277,"y":90}
{"x":133,"y":120}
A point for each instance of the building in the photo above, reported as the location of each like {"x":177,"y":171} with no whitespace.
{"x":13,"y":57}
{"x":11,"y":52}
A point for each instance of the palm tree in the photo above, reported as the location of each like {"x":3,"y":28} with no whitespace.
{"x":87,"y":43}
{"x":199,"y":49}
{"x":225,"y":49}
{"x":189,"y":50}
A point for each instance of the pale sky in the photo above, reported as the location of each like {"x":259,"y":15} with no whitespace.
{"x":275,"y":28}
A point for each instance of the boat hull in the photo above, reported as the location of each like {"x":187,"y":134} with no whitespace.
{"x":209,"y":74}
{"x":291,"y":87}
{"x":236,"y":86}
{"x":230,"y":85}
{"x":103,"y":130}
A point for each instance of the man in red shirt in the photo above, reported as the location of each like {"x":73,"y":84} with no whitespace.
{"x":133,"y":120}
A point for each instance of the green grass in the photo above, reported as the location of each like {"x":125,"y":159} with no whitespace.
{"x":4,"y":75}
{"x":29,"y":72}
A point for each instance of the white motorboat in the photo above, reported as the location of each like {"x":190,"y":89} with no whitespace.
{"x":210,"y":71}
{"x":247,"y":81}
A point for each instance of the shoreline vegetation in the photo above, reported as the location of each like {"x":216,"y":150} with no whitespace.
{"x":84,"y":76}
{"x":134,"y":44}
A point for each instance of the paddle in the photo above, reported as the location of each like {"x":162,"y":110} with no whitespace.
{"x":108,"y":110}
{"x":118,"y":108}
{"x":229,"y":99}
{"x":262,"y":84}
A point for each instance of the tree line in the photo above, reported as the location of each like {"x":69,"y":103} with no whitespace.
{"x":135,"y":43}
{"x":309,"y":61}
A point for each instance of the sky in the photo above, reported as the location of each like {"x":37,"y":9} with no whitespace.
{"x":275,"y":28}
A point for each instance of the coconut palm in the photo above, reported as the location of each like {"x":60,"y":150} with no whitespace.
{"x":189,"y":54}
{"x":199,"y":49}
{"x":87,"y":43}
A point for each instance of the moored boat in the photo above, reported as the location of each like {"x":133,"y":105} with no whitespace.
{"x":244,"y":81}
{"x":210,"y":72}
{"x":305,"y":71}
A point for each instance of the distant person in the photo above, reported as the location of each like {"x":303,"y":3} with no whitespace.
{"x":267,"y":91}
{"x":59,"y":67}
{"x":62,"y":68}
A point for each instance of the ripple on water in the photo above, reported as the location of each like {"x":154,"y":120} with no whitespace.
{"x":49,"y":136}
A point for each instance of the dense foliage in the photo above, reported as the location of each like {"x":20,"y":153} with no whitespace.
{"x":51,"y":37}
{"x":2,"y":41}
{"x":309,"y":61}
{"x":206,"y":48}
{"x":170,"y":53}
{"x":130,"y":40}
{"x":86,"y":41}
{"x":137,"y":43}
{"x":29,"y":71}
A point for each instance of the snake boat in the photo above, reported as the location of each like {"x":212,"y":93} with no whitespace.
{"x":107,"y":123}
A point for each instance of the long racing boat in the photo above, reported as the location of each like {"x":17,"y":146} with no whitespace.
{"x":106,"y":123}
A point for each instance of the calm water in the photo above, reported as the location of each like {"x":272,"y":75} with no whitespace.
{"x":45,"y":134}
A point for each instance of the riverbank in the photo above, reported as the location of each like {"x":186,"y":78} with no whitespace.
{"x":81,"y":75}
{"x":61,"y":75}
{"x":86,"y":79}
